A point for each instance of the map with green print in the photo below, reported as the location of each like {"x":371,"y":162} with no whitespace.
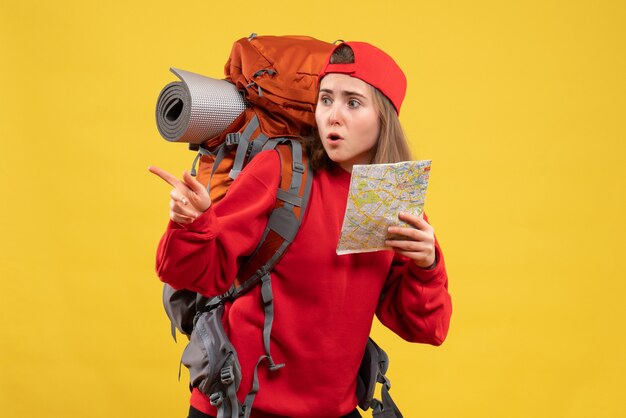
{"x":378,"y":192}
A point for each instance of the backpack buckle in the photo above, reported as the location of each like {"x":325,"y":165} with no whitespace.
{"x":298,"y":167}
{"x":232,"y":139}
{"x":216,"y":399}
{"x":227,"y":375}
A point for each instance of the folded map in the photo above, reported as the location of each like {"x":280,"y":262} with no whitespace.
{"x":378,"y":193}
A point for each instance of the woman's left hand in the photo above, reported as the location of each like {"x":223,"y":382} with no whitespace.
{"x":417,"y":243}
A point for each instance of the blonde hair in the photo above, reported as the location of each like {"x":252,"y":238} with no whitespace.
{"x":392,"y":145}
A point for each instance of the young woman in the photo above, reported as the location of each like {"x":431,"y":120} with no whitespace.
{"x":324,"y":303}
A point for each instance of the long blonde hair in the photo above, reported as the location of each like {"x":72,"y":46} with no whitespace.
{"x":392,"y":146}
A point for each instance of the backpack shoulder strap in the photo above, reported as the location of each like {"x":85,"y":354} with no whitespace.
{"x":282,"y":226}
{"x":284,"y":221}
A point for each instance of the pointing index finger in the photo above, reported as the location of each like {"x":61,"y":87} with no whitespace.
{"x":167,"y":177}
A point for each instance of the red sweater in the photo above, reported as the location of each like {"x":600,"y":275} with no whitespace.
{"x":324,"y":303}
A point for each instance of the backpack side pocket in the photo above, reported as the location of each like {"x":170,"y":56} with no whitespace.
{"x":210,"y":356}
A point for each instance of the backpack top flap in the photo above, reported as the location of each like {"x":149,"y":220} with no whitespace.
{"x":278,"y":75}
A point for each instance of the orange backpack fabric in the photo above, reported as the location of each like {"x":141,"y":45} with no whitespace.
{"x":278,"y":78}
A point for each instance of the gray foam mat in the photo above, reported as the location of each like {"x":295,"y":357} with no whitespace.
{"x":196,"y":108}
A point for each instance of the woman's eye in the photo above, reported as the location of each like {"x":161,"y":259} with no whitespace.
{"x":324,"y":100}
{"x":353,"y":103}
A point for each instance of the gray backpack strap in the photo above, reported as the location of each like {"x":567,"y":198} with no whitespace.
{"x":221,"y":153}
{"x":258,"y":145}
{"x":268,"y":307}
{"x":242,"y":147}
{"x":247,"y":403}
{"x":227,"y":404}
{"x":285,"y":223}
{"x":231,"y":394}
{"x":296,"y":180}
{"x":232,"y":139}
{"x":271,"y":143}
{"x":268,"y":303}
{"x":201,"y":151}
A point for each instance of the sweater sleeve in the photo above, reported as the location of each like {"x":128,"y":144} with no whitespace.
{"x":204,"y":256}
{"x":415,"y":303}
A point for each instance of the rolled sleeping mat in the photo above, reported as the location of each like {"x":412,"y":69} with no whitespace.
{"x":196,"y":108}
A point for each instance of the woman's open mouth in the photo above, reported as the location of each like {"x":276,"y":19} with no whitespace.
{"x":334,"y":137}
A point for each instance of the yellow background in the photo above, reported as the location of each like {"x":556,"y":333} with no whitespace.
{"x":521,"y":106}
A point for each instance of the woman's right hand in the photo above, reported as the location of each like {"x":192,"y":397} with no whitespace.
{"x":188,"y":198}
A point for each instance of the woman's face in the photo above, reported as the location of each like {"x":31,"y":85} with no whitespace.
{"x":347,"y":120}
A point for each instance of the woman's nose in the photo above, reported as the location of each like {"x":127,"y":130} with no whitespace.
{"x":335,"y":117}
